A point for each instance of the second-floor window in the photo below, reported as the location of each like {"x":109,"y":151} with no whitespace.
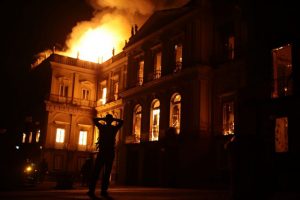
{"x":157,"y":65}
{"x":282,"y":71}
{"x":178,"y":57}
{"x":141,"y":73}
{"x":60,"y":135}
{"x":104,"y":93}
{"x":63,"y":90}
{"x":85,"y":94}
{"x":228,"y":118}
{"x":82,"y":138}
{"x":281,"y":135}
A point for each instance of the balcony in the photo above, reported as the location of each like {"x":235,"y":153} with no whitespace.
{"x":72,"y":101}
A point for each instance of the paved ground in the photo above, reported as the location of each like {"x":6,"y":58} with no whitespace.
{"x":47,"y":191}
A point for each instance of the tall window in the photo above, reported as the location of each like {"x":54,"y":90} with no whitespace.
{"x":178,"y":57}
{"x":175,"y":112}
{"x":282,"y":71}
{"x":37,"y":136}
{"x":85,"y":94}
{"x":24,"y":138}
{"x":230,"y":46}
{"x":137,"y":123}
{"x":228,"y":118}
{"x":141,"y":73}
{"x":154,"y":120}
{"x":104,"y":93}
{"x":116,"y":89}
{"x":157,"y":65}
{"x":63,"y":90}
{"x":60,"y":135}
{"x":281,"y":134}
{"x":82,"y":137}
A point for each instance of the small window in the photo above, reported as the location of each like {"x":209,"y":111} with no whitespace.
{"x":282,"y":71}
{"x":281,"y":135}
{"x":178,"y":57}
{"x":228,"y":118}
{"x":82,"y":138}
{"x":157,"y":65}
{"x":37,"y":136}
{"x":154,"y":124}
{"x":63,"y":90}
{"x":116,"y":90}
{"x":175,"y":112}
{"x":85,"y":94}
{"x":104,"y":93}
{"x":141,"y":73}
{"x":137,"y":122}
{"x":24,"y":138}
{"x":60,"y":135}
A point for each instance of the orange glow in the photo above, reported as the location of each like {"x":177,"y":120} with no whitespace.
{"x":96,"y":40}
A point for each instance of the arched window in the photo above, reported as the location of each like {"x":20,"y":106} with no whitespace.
{"x":137,"y":122}
{"x":175,"y":112}
{"x":154,"y":120}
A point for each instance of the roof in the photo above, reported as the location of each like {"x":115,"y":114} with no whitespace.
{"x":158,"y":20}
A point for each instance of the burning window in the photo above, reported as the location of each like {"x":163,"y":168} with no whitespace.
{"x":137,"y":122}
{"x":82,"y":138}
{"x":228,"y":118}
{"x":281,"y":134}
{"x":141,"y":73}
{"x":154,"y":120}
{"x":157,"y":65}
{"x":60,"y":135}
{"x":175,"y":112}
{"x":178,"y":57}
{"x":85,"y":94}
{"x":282,"y":71}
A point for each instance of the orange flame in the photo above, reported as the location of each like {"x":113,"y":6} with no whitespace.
{"x":96,"y":40}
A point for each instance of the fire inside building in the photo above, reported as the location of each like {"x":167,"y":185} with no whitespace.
{"x":202,"y":69}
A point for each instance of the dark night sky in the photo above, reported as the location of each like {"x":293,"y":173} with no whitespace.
{"x":27,"y":28}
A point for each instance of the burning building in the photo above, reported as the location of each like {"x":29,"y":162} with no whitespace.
{"x":192,"y":68}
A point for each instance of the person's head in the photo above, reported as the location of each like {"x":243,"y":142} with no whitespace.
{"x":109,"y":118}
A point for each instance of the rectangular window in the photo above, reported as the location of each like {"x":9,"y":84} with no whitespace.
{"x":281,"y":135}
{"x":231,"y":41}
{"x":178,"y":57}
{"x":157,"y":65}
{"x":37,"y":136}
{"x":60,"y":135}
{"x":63,"y":90}
{"x":141,"y":73}
{"x":282,"y":71}
{"x":82,"y":137}
{"x":24,"y":138}
{"x":228,"y":118}
{"x":85,"y":94}
{"x":116,"y":89}
{"x":104,"y":93}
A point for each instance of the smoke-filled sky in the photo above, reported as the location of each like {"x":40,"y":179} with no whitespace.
{"x":33,"y":26}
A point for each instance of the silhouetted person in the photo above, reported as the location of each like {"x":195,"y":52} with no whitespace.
{"x":106,"y":154}
{"x":170,"y":149}
{"x":86,"y":171}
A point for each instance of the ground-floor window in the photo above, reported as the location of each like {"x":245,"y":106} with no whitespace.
{"x":154,"y":120}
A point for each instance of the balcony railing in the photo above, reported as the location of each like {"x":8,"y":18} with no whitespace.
{"x":73,"y":101}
